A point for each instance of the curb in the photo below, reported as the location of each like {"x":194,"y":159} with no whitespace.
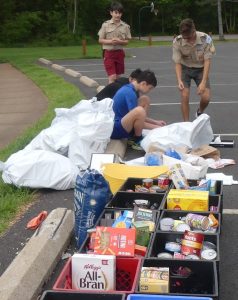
{"x":45,"y":61}
{"x":31,"y":268}
{"x":72,"y":73}
{"x":88,"y":81}
{"x":58,"y":67}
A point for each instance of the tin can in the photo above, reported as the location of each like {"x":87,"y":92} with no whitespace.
{"x":163,"y":181}
{"x":147,"y":183}
{"x":197,"y":221}
{"x":172,"y":247}
{"x":192,"y":243}
{"x":165,"y":255}
{"x":208,"y":254}
{"x":192,"y":256}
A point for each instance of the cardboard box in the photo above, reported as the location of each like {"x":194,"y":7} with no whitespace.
{"x":154,"y":280}
{"x":191,"y":200}
{"x":115,"y":241}
{"x":93,"y":272}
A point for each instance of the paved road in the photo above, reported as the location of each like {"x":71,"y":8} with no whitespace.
{"x":165,"y":104}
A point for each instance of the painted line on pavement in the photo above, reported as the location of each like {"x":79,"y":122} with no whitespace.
{"x":178,"y":103}
{"x":227,"y":211}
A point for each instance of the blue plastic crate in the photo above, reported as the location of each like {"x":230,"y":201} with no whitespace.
{"x":163,"y":297}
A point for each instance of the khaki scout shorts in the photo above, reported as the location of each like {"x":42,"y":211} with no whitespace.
{"x":192,"y":73}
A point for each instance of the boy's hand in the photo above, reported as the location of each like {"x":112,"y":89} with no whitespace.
{"x":116,"y":41}
{"x":161,"y":123}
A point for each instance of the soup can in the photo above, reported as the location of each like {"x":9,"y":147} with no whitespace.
{"x":192,"y":243}
{"x":163,"y":181}
{"x":197,"y":221}
{"x":147,"y":182}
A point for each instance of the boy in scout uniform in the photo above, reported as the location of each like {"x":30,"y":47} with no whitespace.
{"x":192,"y":53}
{"x":113,"y":35}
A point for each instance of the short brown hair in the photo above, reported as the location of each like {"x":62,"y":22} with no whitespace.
{"x":186,"y":27}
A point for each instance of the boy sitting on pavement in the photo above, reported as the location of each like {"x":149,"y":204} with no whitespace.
{"x":131,"y":114}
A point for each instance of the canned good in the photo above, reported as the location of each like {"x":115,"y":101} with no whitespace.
{"x":192,"y":256}
{"x":208,"y":245}
{"x":197,"y":221}
{"x":208,"y":254}
{"x":182,"y":227}
{"x":164,"y":255}
{"x":163,"y":181}
{"x":147,"y":182}
{"x":192,"y":243}
{"x":172,"y":247}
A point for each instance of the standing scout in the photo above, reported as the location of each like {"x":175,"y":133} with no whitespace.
{"x":113,"y":35}
{"x":192,"y":53}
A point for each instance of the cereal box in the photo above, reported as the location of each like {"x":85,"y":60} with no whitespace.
{"x":191,"y":200}
{"x":93,"y":272}
{"x":115,"y":241}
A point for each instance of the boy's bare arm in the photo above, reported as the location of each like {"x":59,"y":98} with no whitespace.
{"x":114,"y":41}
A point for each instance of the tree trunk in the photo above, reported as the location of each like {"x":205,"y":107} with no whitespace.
{"x":75,"y":16}
{"x":220,"y":25}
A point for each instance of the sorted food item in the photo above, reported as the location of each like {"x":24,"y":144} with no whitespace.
{"x":115,"y":241}
{"x":187,"y":200}
{"x":93,"y":272}
{"x":192,"y":243}
{"x":154,"y":280}
{"x":124,"y":220}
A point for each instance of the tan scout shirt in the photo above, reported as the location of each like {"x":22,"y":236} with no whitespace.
{"x":193,"y":55}
{"x":111,"y":30}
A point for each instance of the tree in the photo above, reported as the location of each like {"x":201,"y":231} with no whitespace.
{"x":220,"y":23}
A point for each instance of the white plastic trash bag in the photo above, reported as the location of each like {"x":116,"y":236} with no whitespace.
{"x":91,"y":133}
{"x":56,"y":138}
{"x":189,"y":134}
{"x":194,"y":167}
{"x":39,"y":169}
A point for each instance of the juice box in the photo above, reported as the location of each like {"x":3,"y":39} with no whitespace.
{"x":191,"y":200}
{"x":93,"y":272}
{"x":115,"y":241}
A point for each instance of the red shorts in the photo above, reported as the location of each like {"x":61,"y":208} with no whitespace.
{"x":114,"y":62}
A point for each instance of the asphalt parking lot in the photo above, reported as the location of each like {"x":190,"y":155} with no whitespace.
{"x":165,"y":100}
{"x":165,"y":105}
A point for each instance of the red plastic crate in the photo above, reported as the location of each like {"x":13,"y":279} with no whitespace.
{"x":127,"y":271}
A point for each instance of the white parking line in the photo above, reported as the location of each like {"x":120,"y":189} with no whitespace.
{"x":178,"y":103}
{"x":228,"y":211}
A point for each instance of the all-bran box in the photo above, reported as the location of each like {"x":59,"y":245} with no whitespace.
{"x":191,"y":200}
{"x":93,"y":272}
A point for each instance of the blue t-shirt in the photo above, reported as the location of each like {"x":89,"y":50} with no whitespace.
{"x":124,"y":101}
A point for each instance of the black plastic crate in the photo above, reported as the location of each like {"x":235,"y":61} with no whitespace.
{"x":160,"y":238}
{"x":131,"y":182}
{"x":213,"y":201}
{"x":61,"y":295}
{"x":202,"y":282}
{"x":124,"y":200}
{"x":178,"y":214}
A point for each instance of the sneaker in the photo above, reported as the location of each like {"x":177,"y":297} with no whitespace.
{"x":198,"y":113}
{"x":134,"y":143}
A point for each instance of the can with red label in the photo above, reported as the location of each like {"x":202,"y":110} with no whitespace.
{"x":163,"y":181}
{"x":192,"y":243}
{"x":147,"y":183}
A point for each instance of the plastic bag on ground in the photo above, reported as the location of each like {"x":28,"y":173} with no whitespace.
{"x":39,"y":169}
{"x":190,"y":134}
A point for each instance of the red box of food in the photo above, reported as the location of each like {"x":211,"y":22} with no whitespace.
{"x":114,"y":241}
